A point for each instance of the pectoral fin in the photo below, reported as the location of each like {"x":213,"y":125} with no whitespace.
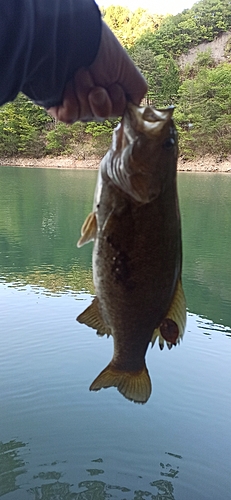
{"x":135,"y":386}
{"x":92,"y":317}
{"x":89,"y":230}
{"x":172,"y":327}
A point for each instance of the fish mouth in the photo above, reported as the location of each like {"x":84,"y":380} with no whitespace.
{"x":136,"y":146}
{"x":146,"y":120}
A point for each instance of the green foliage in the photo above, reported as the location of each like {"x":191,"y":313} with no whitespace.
{"x":101,"y":135}
{"x":57,"y":139}
{"x":129,"y":26}
{"x":166,"y":82}
{"x":21,"y":124}
{"x":117,"y":18}
{"x":203,"y":22}
{"x":36,"y":116}
{"x":11,"y":130}
{"x":203,"y":60}
{"x":63,"y":139}
{"x":27,"y":130}
{"x":205,"y":102}
{"x":161,"y":73}
{"x":201,"y":92}
{"x":96,"y":129}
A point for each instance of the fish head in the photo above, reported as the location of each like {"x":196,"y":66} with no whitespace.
{"x":144,"y":152}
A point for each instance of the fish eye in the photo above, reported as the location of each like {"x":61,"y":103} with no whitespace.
{"x":168,"y":144}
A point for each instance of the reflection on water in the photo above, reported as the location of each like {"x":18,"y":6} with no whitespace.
{"x":206,"y":222}
{"x":98,"y":446}
{"x":81,"y":447}
{"x":42,"y":211}
{"x":41,"y":214}
{"x":208,"y":327}
{"x":51,"y":487}
{"x":11,"y":466}
{"x":52,"y":280}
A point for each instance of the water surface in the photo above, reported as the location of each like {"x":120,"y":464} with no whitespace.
{"x":58,"y":440}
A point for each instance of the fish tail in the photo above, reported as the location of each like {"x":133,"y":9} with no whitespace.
{"x":135,"y":386}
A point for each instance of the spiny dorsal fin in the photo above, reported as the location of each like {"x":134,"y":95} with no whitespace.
{"x":88,"y":231}
{"x":172,"y":327}
{"x":92,"y":317}
{"x":135,"y":386}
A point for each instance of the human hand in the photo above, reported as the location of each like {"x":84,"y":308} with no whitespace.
{"x":103,"y":89}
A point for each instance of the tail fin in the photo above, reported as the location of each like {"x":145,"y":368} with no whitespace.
{"x":135,"y":386}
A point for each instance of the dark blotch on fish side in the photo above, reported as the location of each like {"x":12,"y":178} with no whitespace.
{"x":120,"y":268}
{"x":120,"y":264}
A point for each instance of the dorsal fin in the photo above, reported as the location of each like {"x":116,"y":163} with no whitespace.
{"x":172,"y":327}
{"x":88,"y":230}
{"x":92,"y":317}
{"x":135,"y":386}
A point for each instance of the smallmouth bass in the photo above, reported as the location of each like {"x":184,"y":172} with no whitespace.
{"x":137,"y":253}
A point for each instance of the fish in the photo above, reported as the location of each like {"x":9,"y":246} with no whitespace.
{"x":137,"y":253}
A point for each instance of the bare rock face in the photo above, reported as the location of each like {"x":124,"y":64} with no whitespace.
{"x":219,"y":47}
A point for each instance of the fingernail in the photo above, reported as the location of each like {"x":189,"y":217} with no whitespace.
{"x":100,"y":103}
{"x":98,"y":96}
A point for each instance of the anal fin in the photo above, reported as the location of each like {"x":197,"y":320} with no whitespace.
{"x":135,"y":386}
{"x":88,"y":231}
{"x":92,"y":317}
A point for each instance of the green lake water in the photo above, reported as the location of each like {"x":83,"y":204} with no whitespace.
{"x":58,"y":441}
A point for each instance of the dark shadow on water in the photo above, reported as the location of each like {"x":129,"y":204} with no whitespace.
{"x":51,"y":486}
{"x":98,"y":490}
{"x":11,"y":466}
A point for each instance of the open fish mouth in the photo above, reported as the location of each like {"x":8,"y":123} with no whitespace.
{"x":145,"y":120}
{"x":132,"y":162}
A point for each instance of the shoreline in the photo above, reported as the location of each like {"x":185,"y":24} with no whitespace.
{"x":204,"y":164}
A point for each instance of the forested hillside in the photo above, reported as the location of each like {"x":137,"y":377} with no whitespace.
{"x":200,"y":90}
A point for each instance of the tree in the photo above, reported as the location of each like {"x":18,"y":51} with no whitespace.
{"x":128,"y":26}
{"x":205,"y":102}
{"x":176,"y":34}
{"x":117,"y":18}
{"x":21,"y":128}
{"x":203,"y":60}
{"x":161,"y":73}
